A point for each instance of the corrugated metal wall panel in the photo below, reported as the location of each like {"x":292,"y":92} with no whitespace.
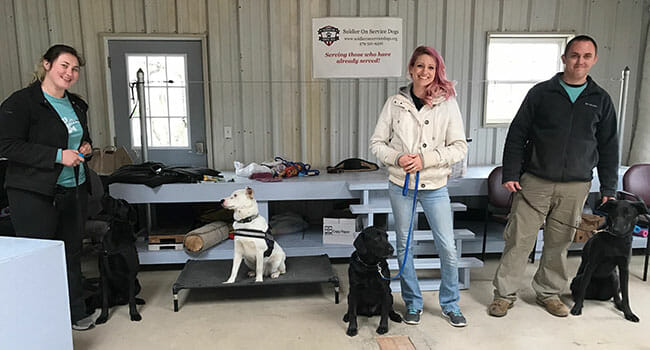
{"x":314,"y":93}
{"x":225,"y":94}
{"x":96,"y":17}
{"x":486,"y":18}
{"x":10,"y":78}
{"x":65,"y":28}
{"x":255,"y":77}
{"x":32,"y":35}
{"x":542,"y":15}
{"x":285,"y":79}
{"x":160,"y":16}
{"x":629,"y":18}
{"x":192,"y":16}
{"x":572,"y":14}
{"x":129,"y":16}
{"x":260,"y":62}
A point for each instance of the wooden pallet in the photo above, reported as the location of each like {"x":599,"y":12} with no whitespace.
{"x":166,"y":239}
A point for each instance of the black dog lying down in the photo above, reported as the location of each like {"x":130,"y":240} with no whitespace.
{"x":609,"y":248}
{"x":369,"y":294}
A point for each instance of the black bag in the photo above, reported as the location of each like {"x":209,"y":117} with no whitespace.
{"x":154,"y":174}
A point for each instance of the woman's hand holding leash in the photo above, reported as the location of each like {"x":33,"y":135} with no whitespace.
{"x":85,"y":148}
{"x":411,"y":163}
{"x":71,"y":157}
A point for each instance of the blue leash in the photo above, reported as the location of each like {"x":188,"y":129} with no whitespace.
{"x":405,"y":191}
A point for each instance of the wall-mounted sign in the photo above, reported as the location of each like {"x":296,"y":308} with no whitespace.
{"x":357,"y":47}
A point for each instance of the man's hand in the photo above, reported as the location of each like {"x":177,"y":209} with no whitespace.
{"x":411,"y":163}
{"x":512,"y":186}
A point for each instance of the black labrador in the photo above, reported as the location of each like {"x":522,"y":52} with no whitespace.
{"x":607,"y":249}
{"x":118,"y":260}
{"x":370,"y":294}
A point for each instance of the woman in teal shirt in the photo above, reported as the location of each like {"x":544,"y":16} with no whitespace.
{"x":44,"y":135}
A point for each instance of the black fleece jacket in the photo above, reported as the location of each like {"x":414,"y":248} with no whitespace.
{"x":557,"y":140}
{"x":31,"y":132}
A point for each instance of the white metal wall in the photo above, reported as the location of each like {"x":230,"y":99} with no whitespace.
{"x":259,"y":60}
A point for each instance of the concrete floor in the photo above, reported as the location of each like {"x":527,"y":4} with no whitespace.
{"x":307,"y":318}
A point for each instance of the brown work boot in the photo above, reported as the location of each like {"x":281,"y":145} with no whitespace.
{"x":499,"y":307}
{"x":554,"y":306}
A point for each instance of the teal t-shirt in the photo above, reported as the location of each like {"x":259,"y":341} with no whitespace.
{"x":64,"y":109}
{"x":573,"y":90}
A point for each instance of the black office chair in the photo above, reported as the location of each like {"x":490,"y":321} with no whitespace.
{"x":498,"y":207}
{"x":635,"y":181}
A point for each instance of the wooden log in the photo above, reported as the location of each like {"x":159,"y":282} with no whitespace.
{"x":206,"y":236}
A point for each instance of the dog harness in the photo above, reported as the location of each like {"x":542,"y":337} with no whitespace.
{"x":266,"y":235}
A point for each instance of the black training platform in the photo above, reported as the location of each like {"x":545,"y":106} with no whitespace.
{"x":212,"y":274}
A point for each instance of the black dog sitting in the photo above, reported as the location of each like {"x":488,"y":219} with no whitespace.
{"x":370,"y":294}
{"x":118,"y":259}
{"x":607,"y":249}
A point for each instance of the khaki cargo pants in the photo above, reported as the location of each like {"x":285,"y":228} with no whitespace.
{"x":562,"y":201}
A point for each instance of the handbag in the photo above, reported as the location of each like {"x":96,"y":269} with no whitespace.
{"x":105,"y":161}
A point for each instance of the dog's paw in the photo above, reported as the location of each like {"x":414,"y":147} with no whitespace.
{"x":576,"y":311}
{"x":631,"y":317}
{"x":229,"y":281}
{"x":136,"y":317}
{"x":251,"y":273}
{"x":382,"y":329}
{"x":259,"y":280}
{"x":352,"y":331}
{"x":101,"y":319}
{"x":275,"y":274}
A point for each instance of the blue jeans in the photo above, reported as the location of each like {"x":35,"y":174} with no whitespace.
{"x":437,"y":209}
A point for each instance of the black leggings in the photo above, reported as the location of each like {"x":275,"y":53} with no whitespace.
{"x":59,"y":217}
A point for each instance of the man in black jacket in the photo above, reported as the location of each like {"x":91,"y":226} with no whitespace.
{"x":564,"y":128}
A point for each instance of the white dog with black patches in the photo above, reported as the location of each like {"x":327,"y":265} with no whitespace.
{"x":253,"y":242}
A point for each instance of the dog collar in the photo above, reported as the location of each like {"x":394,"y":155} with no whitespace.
{"x":248,"y":219}
{"x":368,"y":265}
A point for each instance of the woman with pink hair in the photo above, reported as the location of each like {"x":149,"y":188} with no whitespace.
{"x":420,"y":132}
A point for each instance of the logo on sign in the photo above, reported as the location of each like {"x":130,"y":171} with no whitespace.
{"x":328,"y":35}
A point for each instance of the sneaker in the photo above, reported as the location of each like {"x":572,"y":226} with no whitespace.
{"x":412,"y":316}
{"x":455,"y":318}
{"x":87,"y":322}
{"x":554,"y":306}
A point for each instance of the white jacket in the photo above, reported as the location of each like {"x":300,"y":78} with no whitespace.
{"x":436,"y":133}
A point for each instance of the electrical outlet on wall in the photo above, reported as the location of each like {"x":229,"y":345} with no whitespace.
{"x":227,"y":132}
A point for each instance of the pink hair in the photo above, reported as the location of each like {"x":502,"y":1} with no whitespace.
{"x":440,"y":85}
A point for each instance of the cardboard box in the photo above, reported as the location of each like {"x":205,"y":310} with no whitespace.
{"x":340,"y":231}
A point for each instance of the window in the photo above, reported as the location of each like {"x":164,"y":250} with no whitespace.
{"x":166,"y":95}
{"x":514,"y":63}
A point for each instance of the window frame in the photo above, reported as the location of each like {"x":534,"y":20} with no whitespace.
{"x":515,"y":35}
